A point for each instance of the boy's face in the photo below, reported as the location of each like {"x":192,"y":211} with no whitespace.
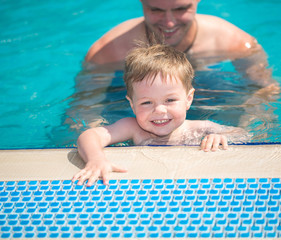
{"x":160,"y":107}
{"x":170,"y":18}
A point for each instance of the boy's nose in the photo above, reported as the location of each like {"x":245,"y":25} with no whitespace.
{"x":160,"y":108}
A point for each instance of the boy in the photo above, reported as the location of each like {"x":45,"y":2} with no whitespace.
{"x":158,"y":80}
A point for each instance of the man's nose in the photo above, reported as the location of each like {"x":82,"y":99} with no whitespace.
{"x":169,"y":20}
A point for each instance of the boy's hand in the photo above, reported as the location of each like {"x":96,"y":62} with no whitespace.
{"x":212,"y":142}
{"x":93,"y":170}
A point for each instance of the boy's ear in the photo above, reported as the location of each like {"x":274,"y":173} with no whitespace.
{"x":190,"y":96}
{"x":131,"y":103}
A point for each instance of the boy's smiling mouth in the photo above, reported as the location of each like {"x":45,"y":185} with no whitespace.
{"x":161,"y":122}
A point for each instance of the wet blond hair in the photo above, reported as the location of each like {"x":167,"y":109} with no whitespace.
{"x":150,"y":60}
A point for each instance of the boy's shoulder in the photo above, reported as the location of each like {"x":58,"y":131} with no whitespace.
{"x":203,"y":125}
{"x":194,"y":124}
{"x":132,"y":126}
{"x":127,"y":122}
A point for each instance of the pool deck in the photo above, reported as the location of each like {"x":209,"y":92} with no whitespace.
{"x":147,"y":162}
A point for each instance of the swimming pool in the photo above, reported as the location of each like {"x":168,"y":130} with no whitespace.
{"x":44,"y":103}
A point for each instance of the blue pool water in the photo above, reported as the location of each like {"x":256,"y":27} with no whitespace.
{"x":47,"y":98}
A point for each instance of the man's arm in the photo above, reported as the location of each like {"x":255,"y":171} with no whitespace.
{"x":254,"y":66}
{"x":222,"y":37}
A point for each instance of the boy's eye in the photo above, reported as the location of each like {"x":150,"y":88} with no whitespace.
{"x":146,"y":103}
{"x":171,"y":100}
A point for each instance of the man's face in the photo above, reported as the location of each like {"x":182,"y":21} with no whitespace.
{"x":170,"y":18}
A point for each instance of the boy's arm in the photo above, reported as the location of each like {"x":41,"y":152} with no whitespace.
{"x":90,"y":147}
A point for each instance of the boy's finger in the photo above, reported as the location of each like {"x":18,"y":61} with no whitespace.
{"x":209,"y":143}
{"x":74,"y":178}
{"x":216,"y":144}
{"x":105,"y":177}
{"x":93,"y":178}
{"x":224,"y":143}
{"x":203,"y":143}
{"x":78,"y":175}
{"x":84,"y":177}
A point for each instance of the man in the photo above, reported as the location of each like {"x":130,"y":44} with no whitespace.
{"x":177,"y":22}
{"x":198,"y":35}
{"x":202,"y":37}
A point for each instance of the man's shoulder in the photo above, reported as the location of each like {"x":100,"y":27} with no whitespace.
{"x":210,"y":21}
{"x":129,"y":24}
{"x":114,"y":45}
{"x":219,"y":34}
